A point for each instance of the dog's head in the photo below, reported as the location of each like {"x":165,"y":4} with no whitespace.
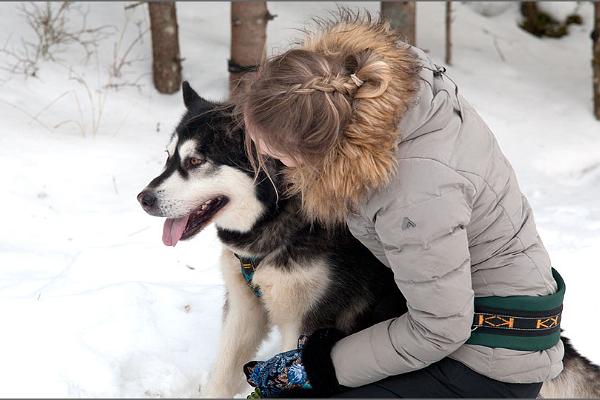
{"x":207,"y":176}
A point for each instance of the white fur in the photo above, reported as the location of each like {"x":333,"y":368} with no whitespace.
{"x":178,"y":196}
{"x":187,"y":149}
{"x":244,"y":327}
{"x":286,"y":298}
{"x":244,"y":208}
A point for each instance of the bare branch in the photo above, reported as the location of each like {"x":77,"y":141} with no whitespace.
{"x":134,"y":5}
{"x":123,"y":59}
{"x":50,"y":25}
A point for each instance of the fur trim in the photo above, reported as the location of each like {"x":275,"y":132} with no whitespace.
{"x":364,"y":158}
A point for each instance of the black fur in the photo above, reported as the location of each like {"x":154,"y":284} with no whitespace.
{"x":283,"y":236}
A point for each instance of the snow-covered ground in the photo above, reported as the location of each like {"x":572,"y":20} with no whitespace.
{"x":93,"y":304}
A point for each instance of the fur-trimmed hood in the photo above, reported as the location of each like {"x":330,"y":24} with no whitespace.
{"x":364,"y":158}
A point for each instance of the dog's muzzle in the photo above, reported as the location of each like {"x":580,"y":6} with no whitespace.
{"x":147,"y":200}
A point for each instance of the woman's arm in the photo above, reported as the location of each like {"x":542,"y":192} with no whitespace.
{"x":430,"y":259}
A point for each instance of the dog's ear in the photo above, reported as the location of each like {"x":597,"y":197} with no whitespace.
{"x":190,"y":96}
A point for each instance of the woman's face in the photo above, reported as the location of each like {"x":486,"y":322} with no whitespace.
{"x":264,"y":150}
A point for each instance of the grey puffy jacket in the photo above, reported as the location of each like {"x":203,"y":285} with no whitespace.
{"x":452,"y":224}
{"x":434,"y":198}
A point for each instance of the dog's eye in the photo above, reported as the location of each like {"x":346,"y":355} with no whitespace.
{"x":193,"y":162}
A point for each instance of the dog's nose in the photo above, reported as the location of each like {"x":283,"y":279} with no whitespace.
{"x":147,"y":200}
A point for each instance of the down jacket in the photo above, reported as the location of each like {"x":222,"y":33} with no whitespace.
{"x":421,"y":181}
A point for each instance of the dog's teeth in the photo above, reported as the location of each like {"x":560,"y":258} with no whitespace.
{"x":204,"y":206}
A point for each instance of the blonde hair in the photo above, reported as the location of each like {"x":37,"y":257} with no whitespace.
{"x":301,"y":101}
{"x":333,"y":105}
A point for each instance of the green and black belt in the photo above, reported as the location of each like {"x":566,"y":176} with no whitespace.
{"x":519,"y":322}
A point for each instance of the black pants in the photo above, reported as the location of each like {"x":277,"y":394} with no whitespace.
{"x":446,"y":378}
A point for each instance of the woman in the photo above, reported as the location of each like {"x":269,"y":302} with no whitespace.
{"x":375,"y":135}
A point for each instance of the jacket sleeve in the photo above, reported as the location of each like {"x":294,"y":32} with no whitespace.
{"x":420,"y":220}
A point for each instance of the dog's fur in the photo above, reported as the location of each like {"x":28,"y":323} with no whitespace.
{"x":310,"y":277}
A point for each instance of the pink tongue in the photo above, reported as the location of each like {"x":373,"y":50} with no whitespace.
{"x":173,"y":230}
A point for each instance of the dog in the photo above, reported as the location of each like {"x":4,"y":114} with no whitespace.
{"x":279,"y":268}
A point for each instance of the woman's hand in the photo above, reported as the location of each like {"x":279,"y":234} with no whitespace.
{"x":302,"y":372}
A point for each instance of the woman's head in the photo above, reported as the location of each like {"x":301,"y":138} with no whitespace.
{"x":330,"y":108}
{"x":301,"y":101}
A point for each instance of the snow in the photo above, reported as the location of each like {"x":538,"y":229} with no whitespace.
{"x":94,"y":305}
{"x":560,"y":10}
{"x":489,"y":8}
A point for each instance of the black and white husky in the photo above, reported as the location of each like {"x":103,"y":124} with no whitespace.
{"x":308,"y":277}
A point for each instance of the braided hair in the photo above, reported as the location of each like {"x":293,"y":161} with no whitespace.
{"x":301,"y":101}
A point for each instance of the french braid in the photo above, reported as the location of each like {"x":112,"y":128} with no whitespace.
{"x":346,"y":85}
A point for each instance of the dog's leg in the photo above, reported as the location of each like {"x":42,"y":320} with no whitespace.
{"x":289,"y":294}
{"x":244,"y":326}
{"x":290,"y":332}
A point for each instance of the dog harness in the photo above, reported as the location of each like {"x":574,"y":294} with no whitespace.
{"x":519,"y":322}
{"x":249,"y":265}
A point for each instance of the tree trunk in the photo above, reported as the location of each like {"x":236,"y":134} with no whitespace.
{"x":166,"y":61}
{"x":402,"y":17}
{"x":448,"y":32}
{"x":529,"y":10}
{"x":596,"y":59}
{"x":248,"y":39}
{"x":530,"y":13}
